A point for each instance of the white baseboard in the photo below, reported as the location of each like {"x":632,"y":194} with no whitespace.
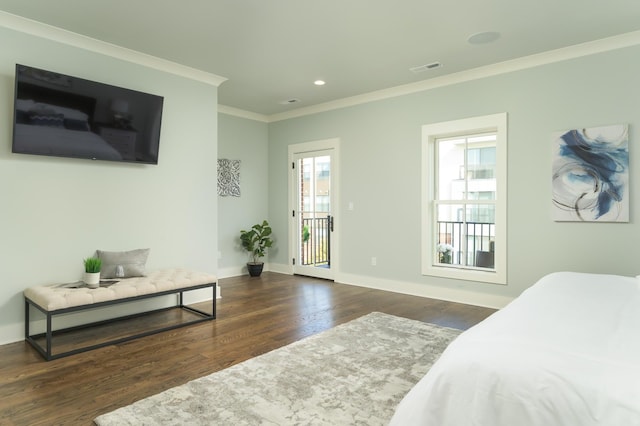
{"x":201,"y":295}
{"x":280,"y":268}
{"x":411,"y":288}
{"x":12,"y":333}
{"x":236,"y":271}
{"x":425,"y":290}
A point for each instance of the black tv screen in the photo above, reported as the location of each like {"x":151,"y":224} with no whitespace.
{"x":64,"y":116}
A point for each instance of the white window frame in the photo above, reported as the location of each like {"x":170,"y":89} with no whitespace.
{"x":430,"y":133}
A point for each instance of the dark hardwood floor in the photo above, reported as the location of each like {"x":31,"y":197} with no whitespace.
{"x":255,"y":315}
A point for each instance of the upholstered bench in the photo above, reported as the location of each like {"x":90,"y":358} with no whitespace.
{"x":56,"y":300}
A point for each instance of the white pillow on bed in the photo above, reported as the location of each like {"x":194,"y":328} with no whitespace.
{"x":73,"y":114}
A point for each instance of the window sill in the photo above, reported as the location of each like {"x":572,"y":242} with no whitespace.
{"x":466,"y":274}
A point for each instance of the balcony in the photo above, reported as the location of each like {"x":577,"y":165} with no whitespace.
{"x":316,"y":242}
{"x":473,"y":243}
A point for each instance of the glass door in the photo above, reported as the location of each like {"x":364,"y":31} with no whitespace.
{"x":312,"y":215}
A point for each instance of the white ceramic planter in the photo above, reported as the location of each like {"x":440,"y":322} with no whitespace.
{"x":92,"y":279}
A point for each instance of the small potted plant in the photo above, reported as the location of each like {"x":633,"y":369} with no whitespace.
{"x":256,"y":241}
{"x":91,"y":276}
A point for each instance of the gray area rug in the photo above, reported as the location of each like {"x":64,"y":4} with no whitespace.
{"x":353,"y":374}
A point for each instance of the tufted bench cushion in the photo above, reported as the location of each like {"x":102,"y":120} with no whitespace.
{"x":55,"y":297}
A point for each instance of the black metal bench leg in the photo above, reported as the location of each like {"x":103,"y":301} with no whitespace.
{"x":26,"y":320}
{"x":49,"y":333}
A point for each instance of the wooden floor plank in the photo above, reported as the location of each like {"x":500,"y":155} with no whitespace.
{"x":255,"y":315}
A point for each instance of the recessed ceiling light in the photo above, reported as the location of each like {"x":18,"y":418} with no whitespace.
{"x":319,"y":82}
{"x":483,"y":37}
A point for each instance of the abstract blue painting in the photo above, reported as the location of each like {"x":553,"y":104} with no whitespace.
{"x":591,"y":174}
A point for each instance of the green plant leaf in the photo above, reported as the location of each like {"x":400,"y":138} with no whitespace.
{"x":92,"y":264}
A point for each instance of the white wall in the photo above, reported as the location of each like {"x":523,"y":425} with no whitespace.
{"x":245,"y":140}
{"x":54,"y":211}
{"x":380,"y":175}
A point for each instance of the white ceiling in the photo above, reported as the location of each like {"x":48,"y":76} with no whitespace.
{"x":273,"y":50}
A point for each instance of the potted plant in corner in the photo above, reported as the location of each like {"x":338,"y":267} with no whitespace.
{"x":91,"y":276}
{"x":256,"y":241}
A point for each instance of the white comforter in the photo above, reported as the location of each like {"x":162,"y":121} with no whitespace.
{"x":566,"y":352}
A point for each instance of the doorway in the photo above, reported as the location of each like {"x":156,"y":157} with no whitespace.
{"x":313,"y":223}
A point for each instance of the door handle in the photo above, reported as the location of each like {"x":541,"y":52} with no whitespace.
{"x":331,"y":219}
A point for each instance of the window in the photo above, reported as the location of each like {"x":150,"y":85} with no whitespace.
{"x":464,"y":199}
{"x":481,"y":162}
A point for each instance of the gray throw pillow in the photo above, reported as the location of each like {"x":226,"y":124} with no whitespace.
{"x":123,"y":264}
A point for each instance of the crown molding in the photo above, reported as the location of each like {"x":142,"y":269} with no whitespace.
{"x":224,"y":109}
{"x":549,"y":57}
{"x":39,"y":29}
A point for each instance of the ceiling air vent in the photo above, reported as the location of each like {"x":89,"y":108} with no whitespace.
{"x":290,"y":101}
{"x":427,"y":67}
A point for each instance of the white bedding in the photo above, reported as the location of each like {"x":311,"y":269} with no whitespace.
{"x":566,"y":352}
{"x":64,"y":142}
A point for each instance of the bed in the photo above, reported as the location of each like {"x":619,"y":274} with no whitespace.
{"x":566,"y":352}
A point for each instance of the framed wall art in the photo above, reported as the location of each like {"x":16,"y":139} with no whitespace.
{"x":590,"y":180}
{"x":229,"y":178}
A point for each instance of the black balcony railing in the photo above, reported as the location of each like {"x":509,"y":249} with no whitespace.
{"x":473,"y":240}
{"x":316,"y":242}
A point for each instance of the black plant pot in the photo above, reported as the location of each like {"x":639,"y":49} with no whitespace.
{"x":255,"y":269}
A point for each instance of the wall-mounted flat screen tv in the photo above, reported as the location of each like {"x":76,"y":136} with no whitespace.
{"x":64,"y":116}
